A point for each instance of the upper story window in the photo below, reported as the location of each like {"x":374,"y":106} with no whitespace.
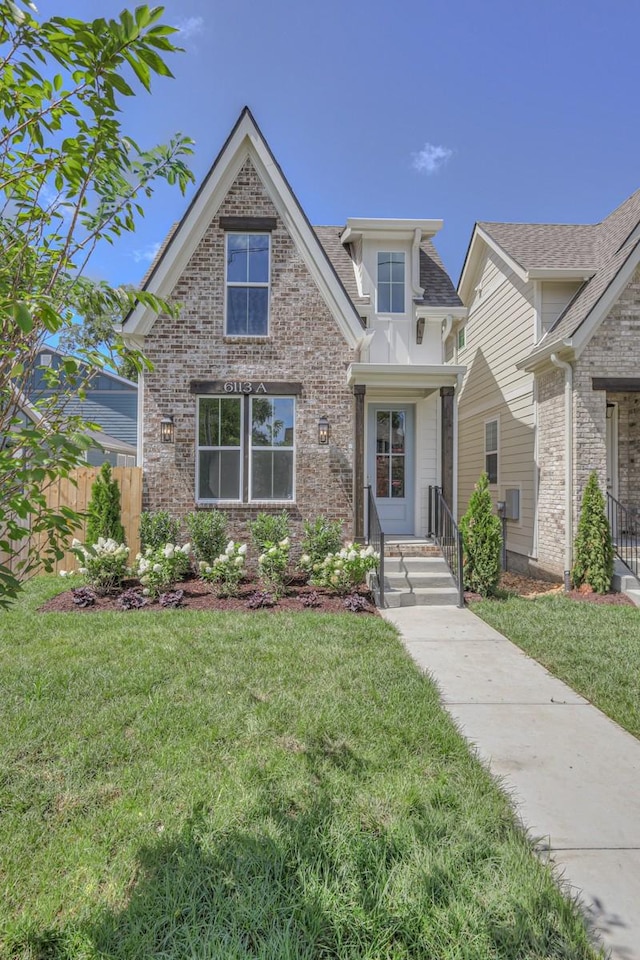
{"x":247,"y":284}
{"x":462,"y":338}
{"x":391,"y":274}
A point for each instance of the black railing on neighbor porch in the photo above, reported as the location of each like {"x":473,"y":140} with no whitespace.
{"x":624,"y":533}
{"x":375,"y":538}
{"x":445,"y":532}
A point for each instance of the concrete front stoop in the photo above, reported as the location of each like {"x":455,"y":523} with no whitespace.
{"x":415,"y":574}
{"x":625,"y":582}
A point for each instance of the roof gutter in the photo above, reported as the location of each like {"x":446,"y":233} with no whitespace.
{"x":568,"y":466}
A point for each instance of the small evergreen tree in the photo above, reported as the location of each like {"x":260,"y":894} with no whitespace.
{"x":104,"y":508}
{"x":593,"y":563}
{"x":482,"y":540}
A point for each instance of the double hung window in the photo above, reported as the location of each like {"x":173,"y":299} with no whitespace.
{"x":390,"y":282}
{"x":245,"y":449}
{"x":247,"y":280}
{"x":491,"y":450}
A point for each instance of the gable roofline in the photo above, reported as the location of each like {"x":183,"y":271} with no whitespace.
{"x":245,"y":141}
{"x":479,"y":236}
{"x":98,"y":370}
{"x":572,"y":346}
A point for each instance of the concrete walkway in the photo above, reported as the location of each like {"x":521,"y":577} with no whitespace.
{"x":574,"y":775}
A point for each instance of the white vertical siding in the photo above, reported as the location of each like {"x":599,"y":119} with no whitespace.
{"x":555,"y":297}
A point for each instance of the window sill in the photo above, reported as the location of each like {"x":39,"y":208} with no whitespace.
{"x":257,"y":504}
{"x":260,"y":338}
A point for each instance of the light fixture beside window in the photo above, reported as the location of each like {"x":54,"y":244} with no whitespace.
{"x":323,"y":431}
{"x":167,"y":430}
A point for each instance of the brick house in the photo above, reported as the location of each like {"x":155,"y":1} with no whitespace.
{"x":306,"y":362}
{"x":552,"y":388}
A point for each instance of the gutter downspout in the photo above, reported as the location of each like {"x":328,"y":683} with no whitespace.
{"x":418,"y":291}
{"x":568,"y":466}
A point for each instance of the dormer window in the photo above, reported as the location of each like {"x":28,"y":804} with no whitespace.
{"x":391,"y":274}
{"x":247,"y":277}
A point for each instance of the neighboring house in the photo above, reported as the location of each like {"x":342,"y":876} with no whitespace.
{"x":109,"y":400}
{"x":552,"y":389}
{"x":306,"y":362}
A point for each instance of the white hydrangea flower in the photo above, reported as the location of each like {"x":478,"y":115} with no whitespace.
{"x":63,"y":573}
{"x":230,"y":548}
{"x":305,"y":558}
{"x":223,"y":558}
{"x":169,"y":551}
{"x":186,"y":549}
{"x":272,"y":551}
{"x":284,"y":543}
{"x":157,"y":568}
{"x":243,"y":549}
{"x":352,"y":555}
{"x":239,"y":561}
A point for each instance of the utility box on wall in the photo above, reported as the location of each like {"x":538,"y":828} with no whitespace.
{"x":512,"y":503}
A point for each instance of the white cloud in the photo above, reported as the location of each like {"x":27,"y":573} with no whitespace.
{"x":191,"y":27}
{"x":431,"y":158}
{"x":146,"y":254}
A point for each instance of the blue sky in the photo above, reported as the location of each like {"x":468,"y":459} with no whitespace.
{"x":452,"y":109}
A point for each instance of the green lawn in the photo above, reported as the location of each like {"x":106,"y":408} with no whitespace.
{"x":595,"y":648}
{"x":187,"y":785}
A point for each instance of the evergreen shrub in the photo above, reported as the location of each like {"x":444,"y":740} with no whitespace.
{"x":482,"y":541}
{"x":104,"y":509}
{"x":593,"y":563}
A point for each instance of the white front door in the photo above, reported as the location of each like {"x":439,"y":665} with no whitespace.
{"x":390,"y":464}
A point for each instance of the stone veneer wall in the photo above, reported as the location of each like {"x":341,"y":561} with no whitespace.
{"x":613,"y":351}
{"x":304,"y":345}
{"x":628,"y":448}
{"x":551,"y":485}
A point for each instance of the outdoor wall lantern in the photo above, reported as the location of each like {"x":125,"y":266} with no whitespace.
{"x":420,"y":330}
{"x":323,"y":430}
{"x":167,"y":430}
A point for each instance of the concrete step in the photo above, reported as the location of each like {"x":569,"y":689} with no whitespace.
{"x":411,"y":580}
{"x":414,"y":565}
{"x":422,"y":596}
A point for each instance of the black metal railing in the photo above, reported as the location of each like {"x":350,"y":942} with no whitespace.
{"x":624,"y":533}
{"x":444,"y":530}
{"x":375,"y":538}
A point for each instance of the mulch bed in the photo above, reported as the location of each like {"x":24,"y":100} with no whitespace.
{"x":529,"y":588}
{"x":199,"y":596}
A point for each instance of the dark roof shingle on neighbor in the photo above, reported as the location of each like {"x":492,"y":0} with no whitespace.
{"x":603,"y":247}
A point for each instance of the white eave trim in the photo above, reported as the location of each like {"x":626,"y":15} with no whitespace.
{"x":584,"y":273}
{"x":388,"y":229}
{"x":404,"y":375}
{"x":245,"y":142}
{"x":441,"y":313}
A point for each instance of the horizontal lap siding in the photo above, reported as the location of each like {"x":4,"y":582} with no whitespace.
{"x":500,"y":332}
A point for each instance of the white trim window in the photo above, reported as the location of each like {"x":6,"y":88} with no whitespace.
{"x":219,"y":453}
{"x":247,"y":280}
{"x":462,"y":337}
{"x":491,"y":440}
{"x":391,"y":282}
{"x":245,"y":449}
{"x":272,"y":448}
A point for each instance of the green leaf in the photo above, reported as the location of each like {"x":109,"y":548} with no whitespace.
{"x":23,"y":317}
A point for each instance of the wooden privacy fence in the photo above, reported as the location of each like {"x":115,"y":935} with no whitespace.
{"x":75,"y":492}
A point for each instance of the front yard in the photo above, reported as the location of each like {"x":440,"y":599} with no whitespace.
{"x":594,"y":648}
{"x":191,"y":784}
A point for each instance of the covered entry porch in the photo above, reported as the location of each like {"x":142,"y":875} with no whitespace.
{"x":405,"y":439}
